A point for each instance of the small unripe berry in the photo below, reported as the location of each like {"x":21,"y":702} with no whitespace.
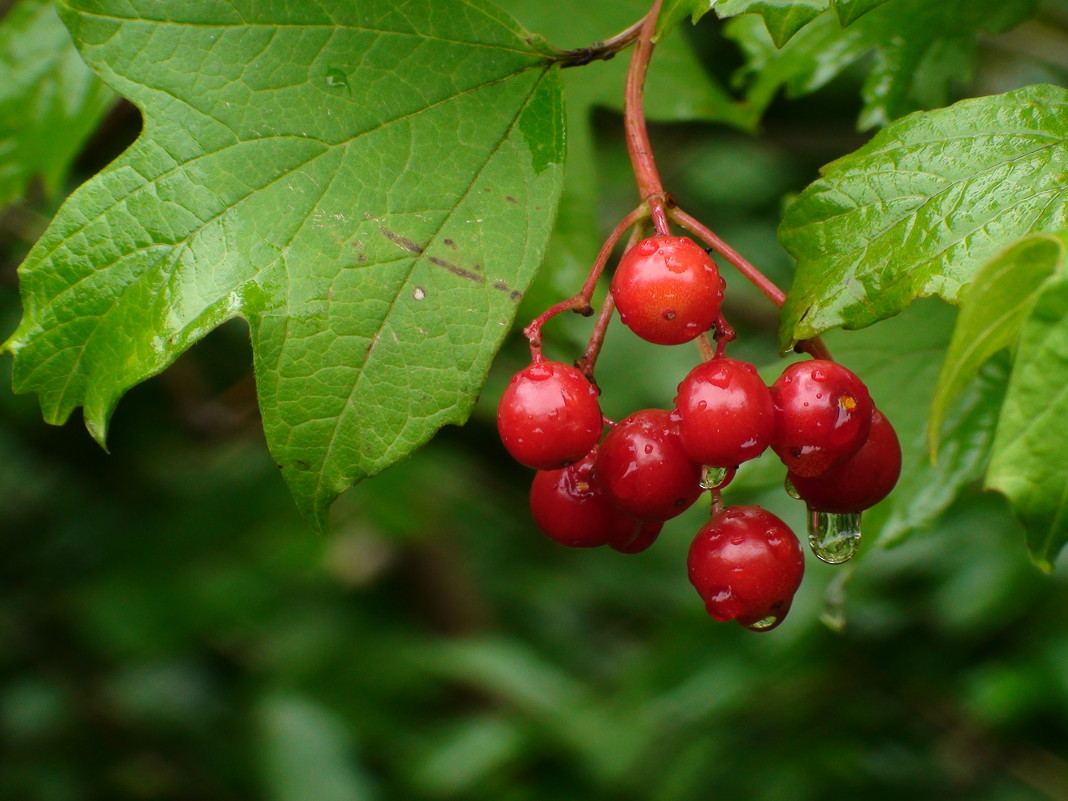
{"x":667,"y":290}
{"x":549,"y":416}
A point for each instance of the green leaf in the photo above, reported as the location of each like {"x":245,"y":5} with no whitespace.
{"x":849,"y":11}
{"x":370,"y":186}
{"x":782,"y":18}
{"x":49,"y":100}
{"x":920,"y":208}
{"x":1029,"y":464}
{"x":919,"y":49}
{"x":675,"y":11}
{"x":993,"y":308}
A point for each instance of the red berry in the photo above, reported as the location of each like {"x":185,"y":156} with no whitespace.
{"x":549,"y":416}
{"x":570,"y":508}
{"x":861,"y":481}
{"x":667,"y":290}
{"x":746,"y":565}
{"x":725,"y":414}
{"x":822,"y":413}
{"x":643,"y":469}
{"x":637,"y":540}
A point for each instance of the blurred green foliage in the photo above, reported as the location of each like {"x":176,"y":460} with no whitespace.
{"x":170,"y":629}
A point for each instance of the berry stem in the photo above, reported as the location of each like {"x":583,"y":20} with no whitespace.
{"x":581,"y":302}
{"x":638,"y":146}
{"x":814,"y":346}
{"x":600,"y":327}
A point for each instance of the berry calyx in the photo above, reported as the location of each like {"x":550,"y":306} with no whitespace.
{"x":861,"y":481}
{"x":823,"y":414}
{"x":667,"y":290}
{"x":724,"y":412}
{"x":643,"y":468}
{"x":549,"y":416}
{"x":569,"y":508}
{"x":746,"y":564}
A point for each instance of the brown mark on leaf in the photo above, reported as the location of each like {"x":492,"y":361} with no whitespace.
{"x":414,"y":247}
{"x":302,"y":464}
{"x":511,"y":199}
{"x":450,"y":243}
{"x":513,"y":294}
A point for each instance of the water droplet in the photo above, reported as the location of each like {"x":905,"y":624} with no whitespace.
{"x":791,"y":490}
{"x":819,"y":375}
{"x":737,"y":539}
{"x":833,"y":538}
{"x":648,"y":448}
{"x":702,"y":405}
{"x":765,"y":623}
{"x":669,"y":314}
{"x":712,"y":477}
{"x":336,"y":79}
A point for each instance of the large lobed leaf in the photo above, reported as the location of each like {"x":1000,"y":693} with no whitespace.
{"x":371,"y":185}
{"x":922,"y":206}
{"x":49,"y":100}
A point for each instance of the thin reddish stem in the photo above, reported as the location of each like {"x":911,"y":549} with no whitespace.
{"x":581,"y":302}
{"x":814,"y":346}
{"x":638,"y":145}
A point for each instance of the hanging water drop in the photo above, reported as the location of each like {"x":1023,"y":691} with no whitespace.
{"x":765,"y":623}
{"x":833,"y":538}
{"x":714,"y":477}
{"x":791,"y":490}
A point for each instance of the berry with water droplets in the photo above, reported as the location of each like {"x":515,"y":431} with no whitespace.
{"x":667,"y":290}
{"x":746,"y":564}
{"x":724,"y":412}
{"x":861,"y":481}
{"x":643,"y":468}
{"x":822,"y":416}
{"x":549,"y":416}
{"x":569,"y":508}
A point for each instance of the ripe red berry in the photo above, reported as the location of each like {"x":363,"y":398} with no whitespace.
{"x":746,"y":565}
{"x":724,"y":412}
{"x":638,"y":539}
{"x":667,"y":290}
{"x":822,"y":414}
{"x":643,"y":469}
{"x":861,"y":481}
{"x":549,"y":416}
{"x":569,"y":508}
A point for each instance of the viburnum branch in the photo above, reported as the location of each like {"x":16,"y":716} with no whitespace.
{"x":600,"y":327}
{"x":814,"y":346}
{"x":581,"y":302}
{"x":638,"y":145}
{"x":603,"y":50}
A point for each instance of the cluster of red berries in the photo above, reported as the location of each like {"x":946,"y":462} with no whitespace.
{"x":841,"y":454}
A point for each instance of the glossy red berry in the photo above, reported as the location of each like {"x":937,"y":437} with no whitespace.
{"x":861,"y":481}
{"x":643,"y":469}
{"x":637,"y":539}
{"x":569,"y":508}
{"x":746,"y":565}
{"x":822,"y":415}
{"x":724,"y":412}
{"x":667,"y":290}
{"x":549,"y":416}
